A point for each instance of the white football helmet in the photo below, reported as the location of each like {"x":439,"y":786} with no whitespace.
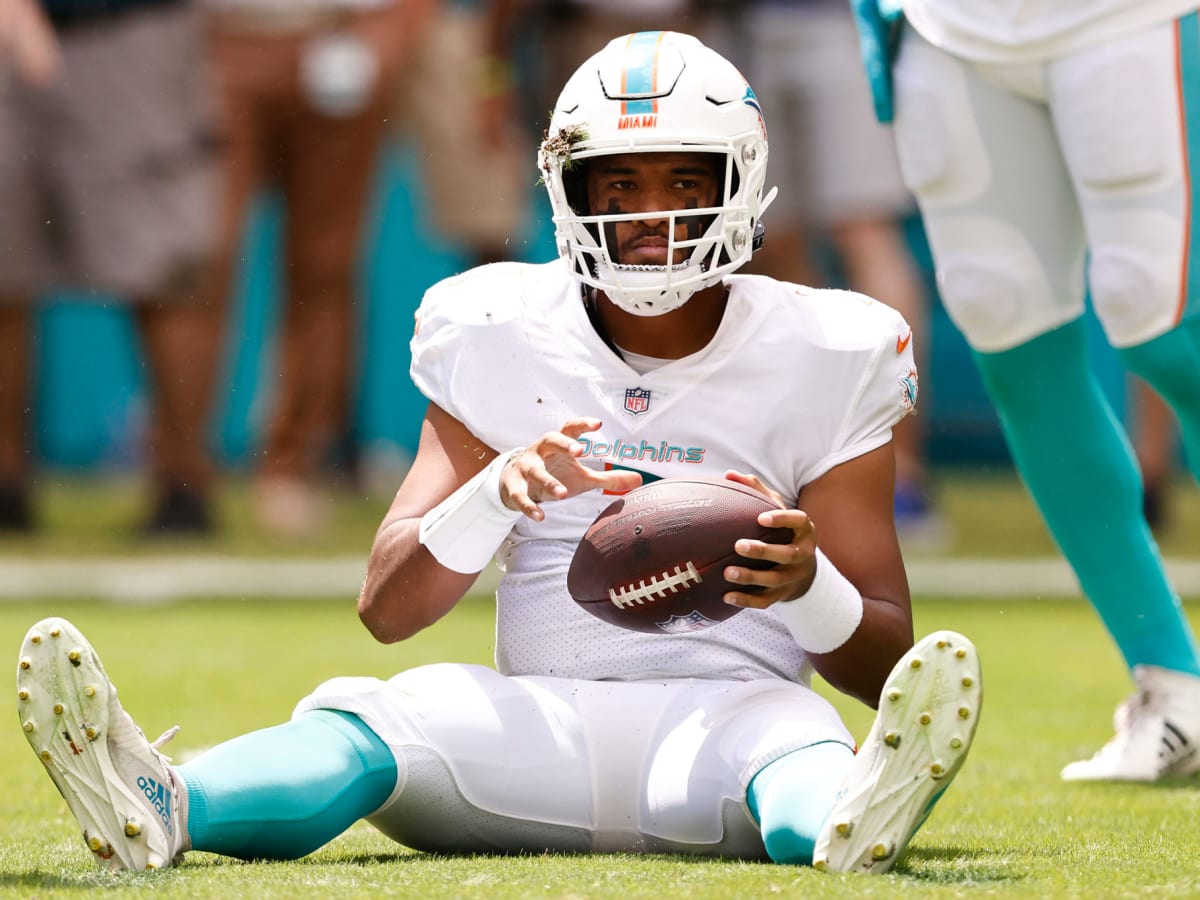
{"x":654,"y":92}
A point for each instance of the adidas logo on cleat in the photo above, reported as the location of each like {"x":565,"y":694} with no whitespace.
{"x":160,"y":799}
{"x":1176,"y":749}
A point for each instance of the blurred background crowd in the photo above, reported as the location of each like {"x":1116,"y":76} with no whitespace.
{"x":218,"y":216}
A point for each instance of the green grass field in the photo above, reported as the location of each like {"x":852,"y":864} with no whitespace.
{"x":1008,"y":826}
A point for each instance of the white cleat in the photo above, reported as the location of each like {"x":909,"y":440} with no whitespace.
{"x":125,"y":797}
{"x":1158,"y":732}
{"x":928,"y":713}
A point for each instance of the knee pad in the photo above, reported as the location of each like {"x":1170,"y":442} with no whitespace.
{"x":1131,"y":296}
{"x":980,"y":298}
{"x":1001,"y":297}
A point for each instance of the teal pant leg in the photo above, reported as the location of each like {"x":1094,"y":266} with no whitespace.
{"x":1171,"y":365}
{"x":791,"y":798}
{"x":282,"y":792}
{"x":1077,"y":463}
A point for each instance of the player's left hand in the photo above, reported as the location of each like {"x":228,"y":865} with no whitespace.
{"x":795,"y":562}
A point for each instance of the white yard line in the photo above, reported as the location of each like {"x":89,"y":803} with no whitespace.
{"x":163,"y":579}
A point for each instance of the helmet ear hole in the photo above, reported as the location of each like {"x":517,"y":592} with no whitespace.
{"x":575,"y":187}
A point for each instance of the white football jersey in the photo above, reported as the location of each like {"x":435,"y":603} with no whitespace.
{"x":1023,"y":31}
{"x":795,"y":381}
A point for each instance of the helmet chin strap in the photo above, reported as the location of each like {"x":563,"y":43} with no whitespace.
{"x":646,"y":290}
{"x":760,"y":232}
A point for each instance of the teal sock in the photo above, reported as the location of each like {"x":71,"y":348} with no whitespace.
{"x":1171,"y":365}
{"x":282,"y":792}
{"x":1077,"y":463}
{"x":791,"y":798}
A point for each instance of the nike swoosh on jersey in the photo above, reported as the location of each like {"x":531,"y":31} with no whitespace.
{"x":902,"y":341}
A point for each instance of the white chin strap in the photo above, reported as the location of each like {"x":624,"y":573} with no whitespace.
{"x":649,"y":290}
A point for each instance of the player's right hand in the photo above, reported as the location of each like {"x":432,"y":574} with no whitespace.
{"x":549,"y":469}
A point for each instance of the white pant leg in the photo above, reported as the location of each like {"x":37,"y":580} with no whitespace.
{"x":1022,"y":171}
{"x":981,"y":155}
{"x":1119,"y":115}
{"x":496,"y":763}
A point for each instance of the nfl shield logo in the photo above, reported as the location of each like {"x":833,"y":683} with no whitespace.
{"x":637,"y":400}
{"x":693,"y":621}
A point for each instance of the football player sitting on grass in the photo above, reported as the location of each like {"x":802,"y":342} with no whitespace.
{"x":637,"y":355}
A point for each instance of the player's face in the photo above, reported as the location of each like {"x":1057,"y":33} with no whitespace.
{"x":652,"y":182}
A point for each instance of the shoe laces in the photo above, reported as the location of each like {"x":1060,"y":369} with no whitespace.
{"x":162,"y":740}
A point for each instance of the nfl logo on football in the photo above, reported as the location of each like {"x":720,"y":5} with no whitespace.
{"x":693,"y":621}
{"x":637,"y":400}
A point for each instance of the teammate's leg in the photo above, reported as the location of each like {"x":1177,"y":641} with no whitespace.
{"x":1137,"y":202}
{"x":1065,"y":440}
{"x":1170,"y":363}
{"x":1005,"y":218}
{"x":1007,"y":235}
{"x":282,"y":792}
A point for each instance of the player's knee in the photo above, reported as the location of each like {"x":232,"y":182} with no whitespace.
{"x":1128,"y":295}
{"x":983,"y":299}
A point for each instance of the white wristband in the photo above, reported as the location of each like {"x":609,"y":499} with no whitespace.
{"x":824,"y":616}
{"x":465,"y":530}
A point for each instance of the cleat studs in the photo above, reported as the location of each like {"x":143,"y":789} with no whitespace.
{"x":916,"y":663}
{"x":75,"y":657}
{"x":95,"y":844}
{"x":937,"y":770}
{"x":925,"y":718}
{"x":132,"y":828}
{"x":28,"y":726}
{"x":967,"y":681}
{"x":964,"y":712}
{"x":90,"y":690}
{"x":22,"y":694}
{"x":955,"y":743}
{"x":892,"y":739}
{"x":91,"y":732}
{"x":35,"y":639}
{"x":943,"y":644}
{"x":58,"y":709}
{"x":843,"y":829}
{"x":894,"y":694}
{"x":55,"y":632}
{"x":881,"y":851}
{"x":26,"y":662}
{"x":45,"y":754}
{"x":961,"y":653}
{"x":820,"y":864}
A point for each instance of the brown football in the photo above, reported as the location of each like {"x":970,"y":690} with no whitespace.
{"x":654,"y":559}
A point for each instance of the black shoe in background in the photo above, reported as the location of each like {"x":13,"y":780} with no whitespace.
{"x":16,"y":510}
{"x":179,"y":512}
